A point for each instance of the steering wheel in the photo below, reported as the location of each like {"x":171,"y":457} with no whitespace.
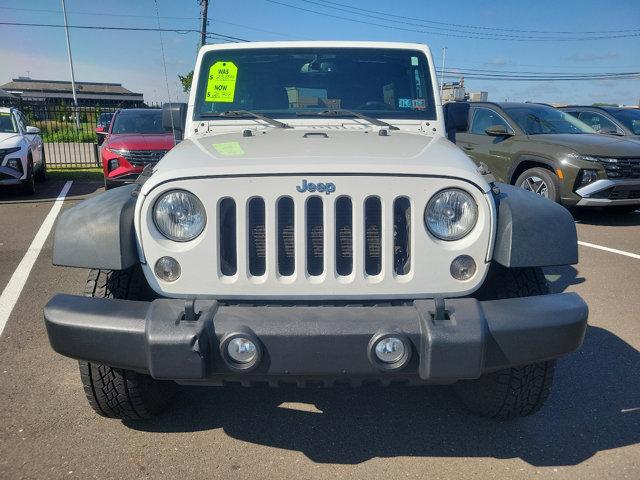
{"x":374,"y":105}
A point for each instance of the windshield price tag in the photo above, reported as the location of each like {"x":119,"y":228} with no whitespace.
{"x":221,"y":84}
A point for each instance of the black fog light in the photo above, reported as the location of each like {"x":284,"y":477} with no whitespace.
{"x":588,"y":176}
{"x":389,"y":351}
{"x":15,"y":163}
{"x":241,"y":351}
{"x":113,"y":164}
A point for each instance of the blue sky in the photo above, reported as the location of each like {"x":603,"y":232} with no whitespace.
{"x":134,"y":58}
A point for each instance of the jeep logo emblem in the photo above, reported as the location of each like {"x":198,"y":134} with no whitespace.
{"x":320,"y":187}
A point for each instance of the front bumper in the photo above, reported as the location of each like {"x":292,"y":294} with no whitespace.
{"x":608,"y":192}
{"x":316,"y":343}
{"x":10,"y":176}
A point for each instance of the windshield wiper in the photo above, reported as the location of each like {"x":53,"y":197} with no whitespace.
{"x":342,"y":112}
{"x":247,"y":114}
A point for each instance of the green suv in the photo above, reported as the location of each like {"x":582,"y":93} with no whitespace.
{"x":549,"y":152}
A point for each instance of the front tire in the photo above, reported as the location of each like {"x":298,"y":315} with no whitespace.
{"x":115,"y":392}
{"x":28,"y":186}
{"x":540,"y":181}
{"x":41,"y":174}
{"x":516,"y":391}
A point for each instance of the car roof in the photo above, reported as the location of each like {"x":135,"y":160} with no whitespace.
{"x":134,"y":110}
{"x":598,"y":107}
{"x":507,"y":105}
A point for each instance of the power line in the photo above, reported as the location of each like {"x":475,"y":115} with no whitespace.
{"x":479,"y":70}
{"x":125,"y":15}
{"x":530,"y":78}
{"x":479,"y":36}
{"x":136,"y":29}
{"x":477,"y":27}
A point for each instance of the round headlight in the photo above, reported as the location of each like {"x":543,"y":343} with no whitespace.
{"x":451,"y":214}
{"x":179,"y":215}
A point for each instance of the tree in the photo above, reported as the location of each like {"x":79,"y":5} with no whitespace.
{"x":186,"y":81}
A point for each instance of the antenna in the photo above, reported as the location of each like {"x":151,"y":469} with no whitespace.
{"x":166,"y":77}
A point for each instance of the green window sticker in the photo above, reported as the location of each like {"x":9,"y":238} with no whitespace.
{"x":221,"y":83}
{"x":228,"y":149}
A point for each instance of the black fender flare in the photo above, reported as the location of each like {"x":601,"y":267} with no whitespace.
{"x":532,"y":231}
{"x":529,"y":158}
{"x":99,"y":232}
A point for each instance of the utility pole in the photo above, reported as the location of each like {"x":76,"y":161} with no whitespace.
{"x":444,"y":53}
{"x":204,"y":5}
{"x":73,"y":80}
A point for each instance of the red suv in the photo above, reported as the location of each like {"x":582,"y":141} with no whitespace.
{"x":135,"y":139}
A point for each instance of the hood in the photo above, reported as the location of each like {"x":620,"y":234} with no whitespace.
{"x":138,"y":141}
{"x":8,"y":140}
{"x":315,"y":151}
{"x":593,"y":144}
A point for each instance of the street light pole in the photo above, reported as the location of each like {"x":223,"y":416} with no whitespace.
{"x":204,"y":4}
{"x":73,"y":80}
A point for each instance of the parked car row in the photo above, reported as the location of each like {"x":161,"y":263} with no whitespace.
{"x":552,"y":152}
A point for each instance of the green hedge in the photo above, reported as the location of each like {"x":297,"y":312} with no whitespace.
{"x":67,"y":136}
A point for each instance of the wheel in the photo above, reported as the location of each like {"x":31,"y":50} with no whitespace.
{"x":28,"y":186}
{"x":540,"y":181}
{"x":41,"y":175}
{"x":517,"y":391}
{"x":114,"y":392}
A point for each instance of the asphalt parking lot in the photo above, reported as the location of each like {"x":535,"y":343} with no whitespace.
{"x":590,"y":428}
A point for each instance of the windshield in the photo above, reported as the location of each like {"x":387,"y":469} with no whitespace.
{"x":540,"y":119}
{"x":284,"y":83}
{"x":138,"y":121}
{"x":629,"y":117}
{"x":7,"y":123}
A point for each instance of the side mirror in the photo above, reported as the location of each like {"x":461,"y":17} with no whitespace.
{"x":33,"y":130}
{"x":101,"y":130}
{"x":498,"y":131}
{"x":456,"y":118}
{"x":611,"y":131}
{"x":174,"y":118}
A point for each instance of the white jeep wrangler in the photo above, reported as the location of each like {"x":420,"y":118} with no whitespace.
{"x":315,"y":226}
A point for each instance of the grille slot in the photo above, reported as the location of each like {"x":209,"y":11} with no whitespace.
{"x":373,"y":236}
{"x":139,"y":158}
{"x":227,"y":234}
{"x":286,"y":237}
{"x":257,"y":238}
{"x":622,"y":168}
{"x":344,"y":236}
{"x":402,"y":235}
{"x":315,"y":236}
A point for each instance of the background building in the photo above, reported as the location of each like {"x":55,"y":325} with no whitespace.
{"x":88,"y":93}
{"x":455,"y":92}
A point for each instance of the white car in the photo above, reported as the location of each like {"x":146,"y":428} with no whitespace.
{"x":22,"y":159}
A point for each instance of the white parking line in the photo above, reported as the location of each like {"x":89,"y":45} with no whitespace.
{"x":612,"y":250}
{"x":11,"y":292}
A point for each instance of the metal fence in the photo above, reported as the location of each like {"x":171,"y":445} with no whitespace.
{"x":68,"y":132}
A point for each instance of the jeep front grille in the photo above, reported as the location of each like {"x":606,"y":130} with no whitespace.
{"x":231,"y":229}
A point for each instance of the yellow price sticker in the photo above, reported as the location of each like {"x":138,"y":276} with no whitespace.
{"x":228,"y":149}
{"x":221,"y":83}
